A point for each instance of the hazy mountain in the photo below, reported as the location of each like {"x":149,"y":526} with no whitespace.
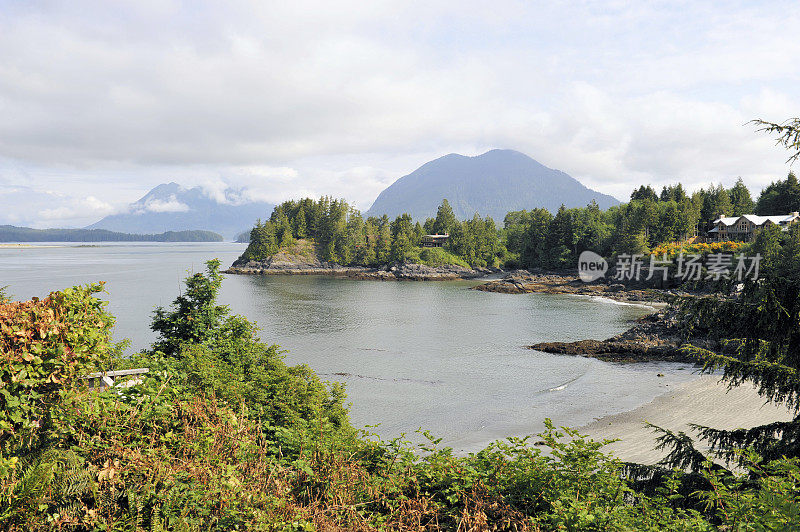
{"x":169,"y":207}
{"x":490,"y":184}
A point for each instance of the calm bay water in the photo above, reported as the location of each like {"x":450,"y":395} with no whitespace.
{"x":436,"y":356}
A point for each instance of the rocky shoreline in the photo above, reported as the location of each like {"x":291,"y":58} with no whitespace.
{"x":525,"y":282}
{"x":655,"y":337}
{"x":400,"y":272}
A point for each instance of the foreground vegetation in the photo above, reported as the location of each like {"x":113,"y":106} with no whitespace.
{"x":222,"y":435}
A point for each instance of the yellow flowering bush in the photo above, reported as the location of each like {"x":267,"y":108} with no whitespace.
{"x":672,"y":249}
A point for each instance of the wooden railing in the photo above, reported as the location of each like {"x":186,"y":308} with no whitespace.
{"x":106,"y":379}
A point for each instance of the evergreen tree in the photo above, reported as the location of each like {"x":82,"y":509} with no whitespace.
{"x":741,"y":202}
{"x":534,"y":251}
{"x":644,"y":192}
{"x":300,"y":224}
{"x":194,"y":315}
{"x":716,"y":201}
{"x":401,"y":246}
{"x":781,"y":197}
{"x":445,"y":219}
{"x":383,"y":249}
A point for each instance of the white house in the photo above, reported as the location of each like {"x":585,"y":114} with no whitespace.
{"x":743,"y":228}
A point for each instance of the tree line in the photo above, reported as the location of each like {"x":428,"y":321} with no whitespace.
{"x":343,"y":236}
{"x":527,"y":239}
{"x":10,"y":233}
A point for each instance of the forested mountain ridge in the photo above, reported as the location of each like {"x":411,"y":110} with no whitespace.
{"x":10,"y":233}
{"x":170,"y":207}
{"x":490,"y":184}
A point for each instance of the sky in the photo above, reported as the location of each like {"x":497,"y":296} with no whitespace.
{"x":101,"y":101}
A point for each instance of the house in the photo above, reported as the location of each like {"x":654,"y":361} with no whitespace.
{"x":434,"y":241}
{"x":743,"y":228}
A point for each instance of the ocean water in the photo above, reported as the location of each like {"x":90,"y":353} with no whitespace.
{"x":413,"y":355}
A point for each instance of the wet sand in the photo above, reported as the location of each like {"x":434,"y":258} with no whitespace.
{"x":703,"y":401}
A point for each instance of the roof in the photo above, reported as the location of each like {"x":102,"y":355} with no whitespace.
{"x":727,"y":220}
{"x":756,"y":220}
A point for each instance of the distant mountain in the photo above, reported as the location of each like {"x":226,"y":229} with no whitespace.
{"x":490,"y":184}
{"x":170,"y":207}
{"x":11,"y":233}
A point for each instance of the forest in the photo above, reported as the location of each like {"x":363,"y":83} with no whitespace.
{"x":10,"y":233}
{"x":526,"y":239}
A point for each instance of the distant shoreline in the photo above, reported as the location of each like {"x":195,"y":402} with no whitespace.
{"x":24,"y":235}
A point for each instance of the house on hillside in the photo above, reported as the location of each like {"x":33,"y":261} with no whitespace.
{"x":743,"y":228}
{"x":434,"y":241}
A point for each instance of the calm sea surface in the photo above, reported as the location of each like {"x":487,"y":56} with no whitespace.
{"x":436,"y":356}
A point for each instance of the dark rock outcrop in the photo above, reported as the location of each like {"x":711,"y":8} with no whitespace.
{"x":656,"y":336}
{"x":524,"y":282}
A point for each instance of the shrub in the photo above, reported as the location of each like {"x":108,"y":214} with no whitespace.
{"x":440,"y":257}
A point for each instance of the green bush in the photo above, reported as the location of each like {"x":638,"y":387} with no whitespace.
{"x":440,"y":257}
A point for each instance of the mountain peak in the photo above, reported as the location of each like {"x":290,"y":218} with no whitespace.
{"x":171,"y":207}
{"x":490,"y":184}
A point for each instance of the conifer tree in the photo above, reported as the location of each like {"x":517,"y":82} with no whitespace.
{"x":759,"y":338}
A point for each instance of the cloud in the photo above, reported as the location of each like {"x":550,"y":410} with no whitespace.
{"x":157,"y":205}
{"x":264,"y":102}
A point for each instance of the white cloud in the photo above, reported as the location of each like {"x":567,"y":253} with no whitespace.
{"x":68,"y":210}
{"x":157,"y":205}
{"x":311,"y":98}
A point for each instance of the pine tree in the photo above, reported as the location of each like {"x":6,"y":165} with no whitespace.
{"x":759,"y":338}
{"x":445,"y":219}
{"x":741,"y":201}
{"x":383,"y":248}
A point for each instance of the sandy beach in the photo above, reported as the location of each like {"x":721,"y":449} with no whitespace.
{"x":703,"y":401}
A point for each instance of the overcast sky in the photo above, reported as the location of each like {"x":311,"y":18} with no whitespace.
{"x":101,"y":101}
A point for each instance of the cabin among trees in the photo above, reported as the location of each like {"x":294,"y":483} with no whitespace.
{"x":744,"y":228}
{"x":434,"y":241}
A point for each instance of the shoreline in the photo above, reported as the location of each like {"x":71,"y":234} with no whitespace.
{"x":568,"y":283}
{"x":703,"y":401}
{"x":403,"y":272}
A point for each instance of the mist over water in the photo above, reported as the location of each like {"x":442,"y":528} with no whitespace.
{"x":431,"y":355}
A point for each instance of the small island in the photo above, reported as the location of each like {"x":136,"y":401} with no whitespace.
{"x":329,"y":237}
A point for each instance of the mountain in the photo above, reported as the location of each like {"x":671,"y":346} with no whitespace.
{"x":170,"y":207}
{"x":490,"y":184}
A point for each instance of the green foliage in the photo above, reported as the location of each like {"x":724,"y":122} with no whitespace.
{"x":741,"y":201}
{"x":643,"y":193}
{"x":788,"y":134}
{"x":194,"y":316}
{"x":445,"y":219}
{"x":780,"y":197}
{"x":440,"y":257}
{"x":45,"y":345}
